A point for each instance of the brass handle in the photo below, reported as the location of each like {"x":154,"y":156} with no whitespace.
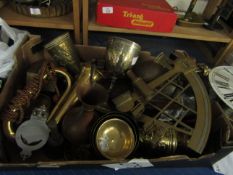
{"x":56,"y":113}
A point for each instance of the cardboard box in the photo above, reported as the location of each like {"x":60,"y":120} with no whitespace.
{"x":87,"y":53}
{"x":149,"y":15}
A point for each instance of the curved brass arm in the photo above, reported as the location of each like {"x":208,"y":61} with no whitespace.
{"x":8,"y":123}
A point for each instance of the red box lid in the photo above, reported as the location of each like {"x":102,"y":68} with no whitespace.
{"x":158,"y":5}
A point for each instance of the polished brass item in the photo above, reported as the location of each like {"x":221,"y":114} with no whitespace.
{"x":121,"y":55}
{"x":115,"y":139}
{"x":80,"y":88}
{"x":191,"y":19}
{"x":62,"y":50}
{"x":183,"y":67}
{"x":90,"y":93}
{"x":53,"y":115}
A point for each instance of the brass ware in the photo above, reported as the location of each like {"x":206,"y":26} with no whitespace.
{"x":83,"y":86}
{"x":53,"y":115}
{"x":124,"y":102}
{"x":76,"y":124}
{"x":32,"y":88}
{"x":161,"y":139}
{"x":148,"y":70}
{"x":183,"y":67}
{"x":90,"y":93}
{"x":114,"y":137}
{"x":122,"y":54}
{"x":62,"y":50}
{"x":14,"y":113}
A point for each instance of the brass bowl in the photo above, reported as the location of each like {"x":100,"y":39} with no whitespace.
{"x":114,"y":136}
{"x":122,"y":54}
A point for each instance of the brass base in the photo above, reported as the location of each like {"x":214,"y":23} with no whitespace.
{"x":193,"y":20}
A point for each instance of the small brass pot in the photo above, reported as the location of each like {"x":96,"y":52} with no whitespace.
{"x":114,"y":136}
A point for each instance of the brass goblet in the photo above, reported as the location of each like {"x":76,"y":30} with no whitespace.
{"x":121,"y":55}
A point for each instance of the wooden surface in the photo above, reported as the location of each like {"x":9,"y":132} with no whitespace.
{"x":223,"y":53}
{"x":13,"y":18}
{"x":211,"y":8}
{"x":76,"y":20}
{"x":198,"y":33}
{"x":85,"y":6}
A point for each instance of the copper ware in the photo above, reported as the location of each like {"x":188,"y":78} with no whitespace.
{"x":90,"y":93}
{"x":76,"y":124}
{"x":14,"y":113}
{"x":62,"y":50}
{"x":114,"y":136}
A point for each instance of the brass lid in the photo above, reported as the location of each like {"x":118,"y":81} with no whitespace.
{"x":115,"y":139}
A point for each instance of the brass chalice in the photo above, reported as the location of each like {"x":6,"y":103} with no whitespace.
{"x":121,"y":55}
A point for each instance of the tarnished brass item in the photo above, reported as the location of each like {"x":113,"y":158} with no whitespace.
{"x":148,"y":70}
{"x":114,"y":138}
{"x":63,"y":52}
{"x":161,"y":139}
{"x":81,"y":87}
{"x":124,"y":102}
{"x":122,"y":54}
